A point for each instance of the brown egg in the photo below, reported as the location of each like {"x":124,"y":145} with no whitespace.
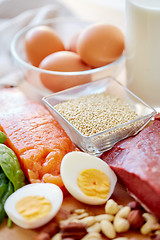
{"x":73,"y":42}
{"x":41,"y":41}
{"x":63,"y":61}
{"x":100,"y":44}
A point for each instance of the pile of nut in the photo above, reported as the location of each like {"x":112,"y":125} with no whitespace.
{"x":116,"y":219}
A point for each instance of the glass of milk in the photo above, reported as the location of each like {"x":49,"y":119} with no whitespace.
{"x":143,"y":49}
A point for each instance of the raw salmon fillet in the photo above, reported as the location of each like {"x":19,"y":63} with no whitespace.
{"x":34,"y":135}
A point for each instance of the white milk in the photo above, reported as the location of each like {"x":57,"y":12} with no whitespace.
{"x":143,"y":49}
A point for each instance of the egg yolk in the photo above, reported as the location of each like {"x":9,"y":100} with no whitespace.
{"x":94,"y":183}
{"x":33,"y":207}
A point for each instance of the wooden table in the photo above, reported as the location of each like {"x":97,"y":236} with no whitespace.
{"x":120,"y":195}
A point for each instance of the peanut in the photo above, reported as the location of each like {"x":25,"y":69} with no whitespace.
{"x":88,"y":220}
{"x":74,"y":218}
{"x":111,"y":207}
{"x":92,"y":236}
{"x":96,"y":227}
{"x":78,"y":216}
{"x":101,"y":217}
{"x":79,"y":211}
{"x":108,"y":229}
{"x":156,"y":226}
{"x":121,"y":224}
{"x":150,"y":223}
{"x":135,"y":219}
{"x":120,"y":206}
{"x":157,"y":232}
{"x":58,"y":236}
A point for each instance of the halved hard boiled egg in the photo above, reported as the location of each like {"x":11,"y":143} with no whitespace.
{"x":87,"y":178}
{"x":34,"y":205}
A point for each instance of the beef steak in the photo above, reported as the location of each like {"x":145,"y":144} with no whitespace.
{"x":136,"y":161}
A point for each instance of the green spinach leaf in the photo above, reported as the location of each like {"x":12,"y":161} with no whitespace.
{"x":3,"y":183}
{"x":11,"y":167}
{"x":2,"y":137}
{"x":6,"y":189}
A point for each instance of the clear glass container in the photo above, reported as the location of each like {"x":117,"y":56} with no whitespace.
{"x":66,"y":28}
{"x":143,"y":49}
{"x":103,"y":141}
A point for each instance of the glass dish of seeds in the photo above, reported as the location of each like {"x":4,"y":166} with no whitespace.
{"x":98,"y":114}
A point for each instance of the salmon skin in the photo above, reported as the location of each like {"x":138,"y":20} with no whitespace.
{"x":34,"y":135}
{"x":136,"y":161}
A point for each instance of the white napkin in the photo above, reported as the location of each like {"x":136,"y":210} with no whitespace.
{"x":14,"y":15}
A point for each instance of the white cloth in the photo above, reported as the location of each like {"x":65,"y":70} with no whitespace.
{"x":14,"y":15}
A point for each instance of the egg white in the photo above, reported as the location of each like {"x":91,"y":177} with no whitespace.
{"x":48,"y":190}
{"x":73,"y":164}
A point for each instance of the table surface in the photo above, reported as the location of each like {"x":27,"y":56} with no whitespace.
{"x":120,"y":195}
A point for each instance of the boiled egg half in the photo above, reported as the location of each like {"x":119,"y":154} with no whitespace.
{"x":34,"y":205}
{"x":87,"y":178}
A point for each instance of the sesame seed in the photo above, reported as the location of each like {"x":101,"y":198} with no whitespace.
{"x":95,"y":113}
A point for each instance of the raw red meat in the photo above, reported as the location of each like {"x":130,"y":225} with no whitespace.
{"x":136,"y":161}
